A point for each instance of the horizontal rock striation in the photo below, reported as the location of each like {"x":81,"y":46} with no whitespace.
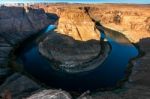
{"x":17,"y":24}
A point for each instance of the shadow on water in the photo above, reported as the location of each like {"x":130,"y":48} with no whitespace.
{"x":105,"y":76}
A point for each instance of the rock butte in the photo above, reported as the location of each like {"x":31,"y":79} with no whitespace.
{"x":130,"y":20}
{"x":75,"y":44}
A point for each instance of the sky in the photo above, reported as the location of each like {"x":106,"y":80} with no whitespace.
{"x":78,"y":1}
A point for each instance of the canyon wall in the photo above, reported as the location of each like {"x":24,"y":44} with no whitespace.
{"x":77,"y":24}
{"x":17,"y":24}
{"x":131,"y":20}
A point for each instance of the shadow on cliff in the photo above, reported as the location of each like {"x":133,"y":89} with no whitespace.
{"x":53,"y":17}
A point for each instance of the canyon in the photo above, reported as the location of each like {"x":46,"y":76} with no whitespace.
{"x":119,"y":17}
{"x":133,"y":21}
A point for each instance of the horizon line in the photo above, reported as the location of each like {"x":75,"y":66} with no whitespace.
{"x":70,"y":2}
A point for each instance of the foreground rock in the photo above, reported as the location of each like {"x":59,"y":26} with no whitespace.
{"x":18,"y":86}
{"x":51,"y":94}
{"x":17,"y":24}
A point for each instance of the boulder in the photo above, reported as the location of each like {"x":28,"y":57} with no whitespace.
{"x":18,"y":86}
{"x":51,"y":94}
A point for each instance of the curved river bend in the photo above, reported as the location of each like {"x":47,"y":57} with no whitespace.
{"x":107,"y":75}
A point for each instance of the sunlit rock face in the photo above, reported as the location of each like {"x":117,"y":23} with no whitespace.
{"x":77,"y":24}
{"x":130,"y":20}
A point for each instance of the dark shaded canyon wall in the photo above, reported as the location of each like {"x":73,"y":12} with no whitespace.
{"x":17,"y":24}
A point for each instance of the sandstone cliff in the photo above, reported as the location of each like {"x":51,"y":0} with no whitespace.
{"x":77,"y":24}
{"x":131,"y":20}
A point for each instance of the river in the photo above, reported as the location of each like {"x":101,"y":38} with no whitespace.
{"x":106,"y":76}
